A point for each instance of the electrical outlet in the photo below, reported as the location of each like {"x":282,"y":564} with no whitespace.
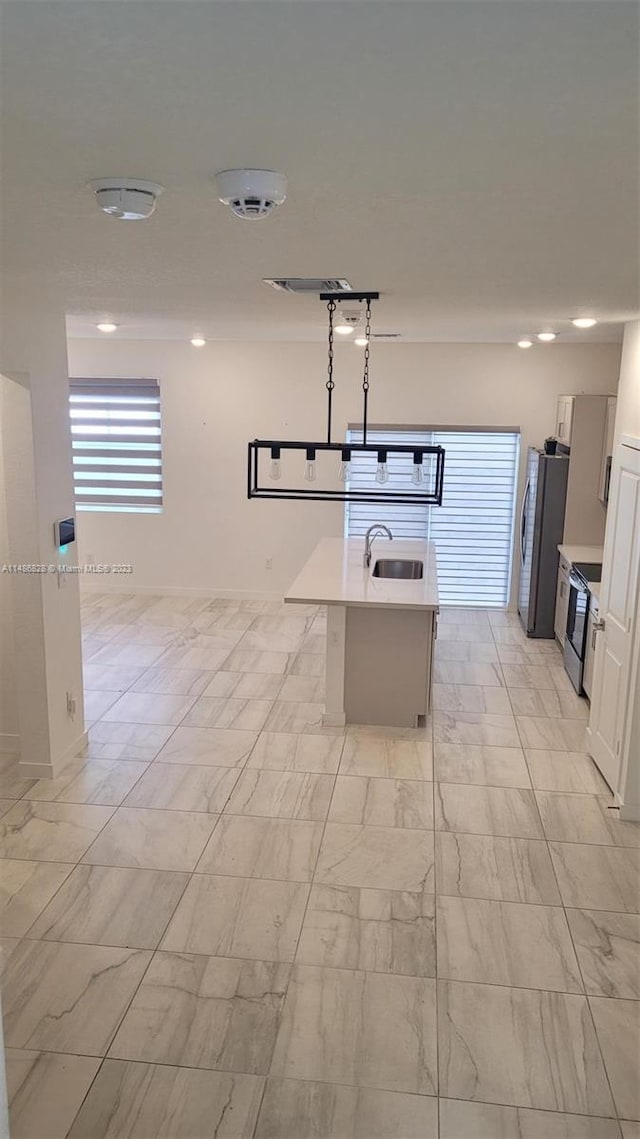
{"x":71,"y":705}
{"x":268,"y":563}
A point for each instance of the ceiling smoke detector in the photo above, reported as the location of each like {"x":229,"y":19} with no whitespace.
{"x":130,"y":199}
{"x":251,"y":194}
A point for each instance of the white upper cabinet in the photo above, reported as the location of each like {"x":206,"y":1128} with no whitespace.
{"x":564,"y":419}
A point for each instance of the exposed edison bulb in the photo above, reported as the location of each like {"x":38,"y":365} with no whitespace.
{"x":417,"y":474}
{"x":343,"y":471}
{"x":275,"y":470}
{"x":382,"y":473}
{"x":310,"y":466}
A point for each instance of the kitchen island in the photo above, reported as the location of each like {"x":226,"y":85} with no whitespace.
{"x":380,"y":630}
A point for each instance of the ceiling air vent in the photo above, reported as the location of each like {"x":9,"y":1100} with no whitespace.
{"x":309,"y":285}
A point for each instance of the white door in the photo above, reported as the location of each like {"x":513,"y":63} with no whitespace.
{"x":618,"y":601}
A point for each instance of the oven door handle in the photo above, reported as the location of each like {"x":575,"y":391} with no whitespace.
{"x":577,"y":583}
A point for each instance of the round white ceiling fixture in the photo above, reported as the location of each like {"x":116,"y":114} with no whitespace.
{"x":526,"y":342}
{"x":583,"y":321}
{"x":547,"y":337}
{"x":198,"y":341}
{"x":251,"y":194}
{"x":106,"y":326}
{"x":130,"y":199}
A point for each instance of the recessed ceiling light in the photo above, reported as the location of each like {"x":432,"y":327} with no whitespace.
{"x":361,"y":341}
{"x":344,"y":329}
{"x":547,"y":335}
{"x":525,"y":342}
{"x":583,"y":321}
{"x":106,"y":326}
{"x":198,"y":341}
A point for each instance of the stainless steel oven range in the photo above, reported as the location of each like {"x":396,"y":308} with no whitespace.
{"x":582,"y":574}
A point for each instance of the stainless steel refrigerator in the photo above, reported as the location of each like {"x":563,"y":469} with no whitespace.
{"x":541,"y":530}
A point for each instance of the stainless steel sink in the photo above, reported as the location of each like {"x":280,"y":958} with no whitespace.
{"x":399,"y":568}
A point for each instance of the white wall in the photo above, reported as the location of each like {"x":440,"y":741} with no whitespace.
{"x":8,"y":708}
{"x":215,"y":399}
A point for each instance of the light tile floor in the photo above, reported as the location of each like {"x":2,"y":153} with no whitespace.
{"x":227,"y":920}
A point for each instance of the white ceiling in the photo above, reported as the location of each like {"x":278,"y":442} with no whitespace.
{"x":475,"y":160}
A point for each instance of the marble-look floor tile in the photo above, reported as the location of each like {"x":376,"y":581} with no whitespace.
{"x":618,"y":1027}
{"x":238,"y":917}
{"x":471,"y":698}
{"x":469,"y":633}
{"x":545,"y":702}
{"x":104,"y":905}
{"x":145,"y":1101}
{"x":314,"y":643}
{"x":308,"y":664}
{"x":110,"y":678}
{"x":244,"y":685}
{"x":271,"y":623}
{"x":630,"y":1129}
{"x":584,"y":818}
{"x":228,"y":712}
{"x":382,"y":802}
{"x":504,"y":869}
{"x":475,"y":728}
{"x":473,"y":651}
{"x":256,"y":641}
{"x":146,"y":634}
{"x":50,"y":832}
{"x":387,"y":758}
{"x":226,"y":618}
{"x":105,"y":782}
{"x":365,"y":1029}
{"x":248,"y":847}
{"x":25,"y":889}
{"x":506,"y":943}
{"x":608,"y":949}
{"x":68,"y":998}
{"x":127,"y":741}
{"x":460,"y":615}
{"x":487,"y":673}
{"x":294,"y":716}
{"x":551,"y":733}
{"x":380,"y":931}
{"x":205,"y":1012}
{"x":284,"y":794}
{"x":96,"y":704}
{"x":249,"y":660}
{"x":528,"y":676}
{"x":149,"y":708}
{"x":543,"y":653}
{"x":173,"y":681}
{"x":571,"y":771}
{"x":176,"y":787}
{"x":6,"y":805}
{"x":130,"y":656}
{"x":520,"y":1047}
{"x":213,"y":747}
{"x":471,"y":809}
{"x":153,"y":840}
{"x":293,"y":1109}
{"x":12,"y":782}
{"x":45,"y":1091}
{"x":282,"y":751}
{"x":481,"y":764}
{"x":462,"y":1119}
{"x":597,"y":877}
{"x":305,"y":689}
{"x":385,"y":857}
{"x":190,"y":656}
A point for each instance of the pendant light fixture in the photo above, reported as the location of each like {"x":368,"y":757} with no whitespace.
{"x":424,"y":482}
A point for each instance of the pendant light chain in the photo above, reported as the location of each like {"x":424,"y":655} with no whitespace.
{"x":365,"y":376}
{"x":331,"y":308}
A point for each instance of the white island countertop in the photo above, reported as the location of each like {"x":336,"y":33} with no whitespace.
{"x":335,"y":575}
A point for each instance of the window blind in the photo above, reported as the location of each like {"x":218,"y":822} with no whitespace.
{"x":116,"y":444}
{"x":473,"y":529}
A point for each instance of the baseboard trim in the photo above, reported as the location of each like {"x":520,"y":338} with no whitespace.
{"x":181,"y":591}
{"x":50,"y":770}
{"x":9,"y":743}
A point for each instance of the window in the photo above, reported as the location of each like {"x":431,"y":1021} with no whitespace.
{"x":116,"y":442}
{"x":473,"y":529}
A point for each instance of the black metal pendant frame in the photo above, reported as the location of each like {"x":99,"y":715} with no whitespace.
{"x":431,"y":496}
{"x":255,"y":489}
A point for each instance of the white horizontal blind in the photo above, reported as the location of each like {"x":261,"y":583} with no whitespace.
{"x":473,"y":529}
{"x":116,"y":442}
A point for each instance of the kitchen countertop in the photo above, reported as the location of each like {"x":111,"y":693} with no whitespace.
{"x":581,"y":553}
{"x":335,"y":575}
